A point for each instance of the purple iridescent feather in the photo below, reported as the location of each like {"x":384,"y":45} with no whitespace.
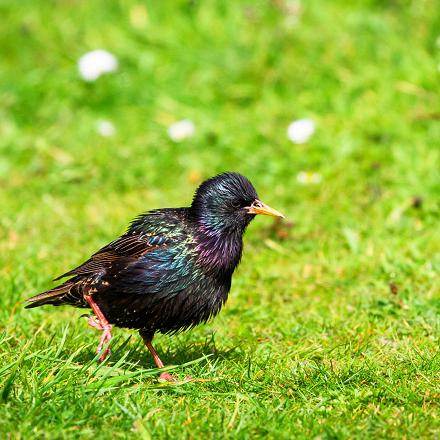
{"x":172,"y":269}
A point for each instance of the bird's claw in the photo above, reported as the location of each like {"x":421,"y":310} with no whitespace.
{"x":106,"y":336}
{"x":167,"y":377}
{"x":105,"y":340}
{"x":92,"y":321}
{"x":101,"y":323}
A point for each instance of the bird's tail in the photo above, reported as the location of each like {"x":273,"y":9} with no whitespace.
{"x":57,"y":296}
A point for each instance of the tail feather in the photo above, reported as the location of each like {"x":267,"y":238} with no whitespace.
{"x":57,"y":296}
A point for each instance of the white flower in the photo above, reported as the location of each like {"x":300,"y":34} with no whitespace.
{"x":181,"y":130}
{"x":105,"y":128}
{"x":94,"y":64}
{"x":308,"y":178}
{"x":301,"y":130}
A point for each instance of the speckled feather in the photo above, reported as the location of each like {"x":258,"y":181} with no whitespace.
{"x":172,"y":269}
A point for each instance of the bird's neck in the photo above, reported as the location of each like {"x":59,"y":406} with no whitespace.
{"x":220,"y":249}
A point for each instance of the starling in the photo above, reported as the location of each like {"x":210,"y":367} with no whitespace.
{"x":170,"y":271}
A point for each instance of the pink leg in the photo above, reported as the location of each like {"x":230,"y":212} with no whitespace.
{"x":158,"y":361}
{"x":101,"y":324}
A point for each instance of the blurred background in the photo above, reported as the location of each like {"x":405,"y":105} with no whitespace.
{"x":87,"y":138}
{"x":331,"y":108}
{"x":366,"y":75}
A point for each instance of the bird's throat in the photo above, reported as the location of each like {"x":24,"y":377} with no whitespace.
{"x":220,"y":250}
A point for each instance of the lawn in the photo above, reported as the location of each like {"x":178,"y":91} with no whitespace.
{"x":332,"y":328}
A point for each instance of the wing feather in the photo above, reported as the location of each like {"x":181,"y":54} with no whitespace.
{"x":118,"y":254}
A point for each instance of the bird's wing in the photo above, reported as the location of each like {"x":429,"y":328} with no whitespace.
{"x":157,"y":254}
{"x":119,"y":254}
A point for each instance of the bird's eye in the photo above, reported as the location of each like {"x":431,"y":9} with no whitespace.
{"x":257,"y":204}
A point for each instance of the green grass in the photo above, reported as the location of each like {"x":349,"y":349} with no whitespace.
{"x":313,"y":343}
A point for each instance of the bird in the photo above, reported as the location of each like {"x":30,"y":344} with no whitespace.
{"x":170,"y":271}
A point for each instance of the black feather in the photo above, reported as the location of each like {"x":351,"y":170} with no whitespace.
{"x":172,"y":269}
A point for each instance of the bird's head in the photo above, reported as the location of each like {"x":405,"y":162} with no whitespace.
{"x":228,"y":202}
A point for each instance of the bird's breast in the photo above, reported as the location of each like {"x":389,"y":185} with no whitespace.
{"x":170,"y":310}
{"x":219,"y":254}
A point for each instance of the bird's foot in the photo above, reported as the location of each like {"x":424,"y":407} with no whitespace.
{"x":106,"y":336}
{"x":167,"y":377}
{"x":105,"y":341}
{"x":100,"y":323}
{"x":93,"y":322}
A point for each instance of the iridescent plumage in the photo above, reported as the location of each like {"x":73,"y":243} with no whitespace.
{"x":172,"y":269}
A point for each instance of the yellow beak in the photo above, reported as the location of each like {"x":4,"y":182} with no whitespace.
{"x":261,"y":208}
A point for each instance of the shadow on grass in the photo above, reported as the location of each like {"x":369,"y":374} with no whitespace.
{"x":139,"y":357}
